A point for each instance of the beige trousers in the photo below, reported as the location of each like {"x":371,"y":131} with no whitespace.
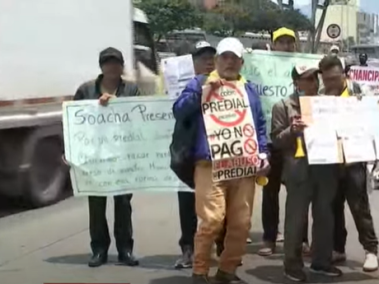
{"x":232,"y":200}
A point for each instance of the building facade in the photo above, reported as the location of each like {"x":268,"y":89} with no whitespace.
{"x":367,"y":28}
{"x":343,"y":13}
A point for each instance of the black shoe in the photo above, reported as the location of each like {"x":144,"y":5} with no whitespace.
{"x":331,"y":271}
{"x":127,"y":258}
{"x":200,"y":279}
{"x":185,"y":261}
{"x":296,"y":275}
{"x":222,"y":277}
{"x":98,"y":259}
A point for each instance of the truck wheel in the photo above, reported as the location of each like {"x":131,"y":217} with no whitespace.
{"x":47,"y":174}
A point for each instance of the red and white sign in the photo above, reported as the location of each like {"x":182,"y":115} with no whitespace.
{"x":367,"y":78}
{"x":230,"y":129}
{"x":364,"y":75}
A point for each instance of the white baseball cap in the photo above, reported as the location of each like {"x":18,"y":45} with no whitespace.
{"x":335,"y":47}
{"x":202,"y":46}
{"x":230,"y":44}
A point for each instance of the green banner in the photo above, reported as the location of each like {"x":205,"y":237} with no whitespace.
{"x":270,"y":72}
{"x":120,"y":148}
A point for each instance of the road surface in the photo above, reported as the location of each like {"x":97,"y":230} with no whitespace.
{"x":51,"y":245}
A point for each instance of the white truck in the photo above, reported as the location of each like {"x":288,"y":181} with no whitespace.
{"x":47,"y":49}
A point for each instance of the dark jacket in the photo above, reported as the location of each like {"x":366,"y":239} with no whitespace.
{"x":294,"y":169}
{"x":188,"y":106}
{"x":91,"y":90}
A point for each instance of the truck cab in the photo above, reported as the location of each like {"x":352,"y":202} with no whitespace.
{"x":47,"y":50}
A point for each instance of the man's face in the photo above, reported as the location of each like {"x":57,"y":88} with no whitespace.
{"x":204,"y":63}
{"x":229,"y":65}
{"x":363,"y":58}
{"x":284,"y":44}
{"x":334,"y":81}
{"x":112,"y":68}
{"x":309,"y":85}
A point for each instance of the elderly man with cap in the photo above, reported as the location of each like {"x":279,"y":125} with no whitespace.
{"x":283,"y":40}
{"x":109,"y":85}
{"x":232,"y":199}
{"x":316,"y":184}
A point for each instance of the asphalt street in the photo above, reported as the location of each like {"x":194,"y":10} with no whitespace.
{"x":51,"y":245}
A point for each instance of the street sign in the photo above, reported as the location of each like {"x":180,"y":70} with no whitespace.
{"x":333,"y":31}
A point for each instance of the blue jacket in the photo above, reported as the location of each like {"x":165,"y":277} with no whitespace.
{"x":188,"y":108}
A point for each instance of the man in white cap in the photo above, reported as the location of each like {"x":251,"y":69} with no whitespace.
{"x":212,"y":197}
{"x":335,"y":50}
{"x":316,"y":184}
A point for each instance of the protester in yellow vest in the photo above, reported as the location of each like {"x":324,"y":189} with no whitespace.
{"x":283,"y":40}
{"x":305,"y":184}
{"x":352,"y":185}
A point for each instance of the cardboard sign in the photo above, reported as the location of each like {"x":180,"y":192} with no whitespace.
{"x":230,"y":130}
{"x":338,"y":129}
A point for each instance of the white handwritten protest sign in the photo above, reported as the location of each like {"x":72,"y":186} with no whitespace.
{"x":320,"y":136}
{"x":177,"y":72}
{"x":121,"y":148}
{"x":270,"y":73}
{"x":339,"y":122}
{"x":230,"y":130}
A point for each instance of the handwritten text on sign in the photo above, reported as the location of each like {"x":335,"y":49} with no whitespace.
{"x":121,"y":148}
{"x":349,"y":138}
{"x":270,"y":73}
{"x":230,"y":130}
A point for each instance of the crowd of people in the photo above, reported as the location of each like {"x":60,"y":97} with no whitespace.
{"x":220,"y":212}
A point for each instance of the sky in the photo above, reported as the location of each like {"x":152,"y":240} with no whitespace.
{"x":370,"y":6}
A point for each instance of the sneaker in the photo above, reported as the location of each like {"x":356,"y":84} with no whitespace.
{"x":295,"y":275}
{"x":371,"y":262}
{"x":306,"y":249}
{"x":331,"y":271}
{"x":279,"y":237}
{"x":222,"y":277}
{"x":200,"y":279}
{"x":249,"y":241}
{"x":267,"y":250}
{"x":185,"y":261}
{"x":338,"y":257}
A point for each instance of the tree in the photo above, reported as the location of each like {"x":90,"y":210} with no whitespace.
{"x":166,"y":16}
{"x":216,"y":24}
{"x":256,"y":15}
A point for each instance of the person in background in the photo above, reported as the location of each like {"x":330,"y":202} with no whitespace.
{"x":259,"y":46}
{"x":316,"y":184}
{"x":352,"y":183}
{"x":334,"y":50}
{"x":109,"y":85}
{"x":203,"y":55}
{"x":363,"y":59}
{"x":283,"y":40}
{"x":212,"y":197}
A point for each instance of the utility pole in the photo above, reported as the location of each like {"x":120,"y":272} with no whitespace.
{"x":314,"y":35}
